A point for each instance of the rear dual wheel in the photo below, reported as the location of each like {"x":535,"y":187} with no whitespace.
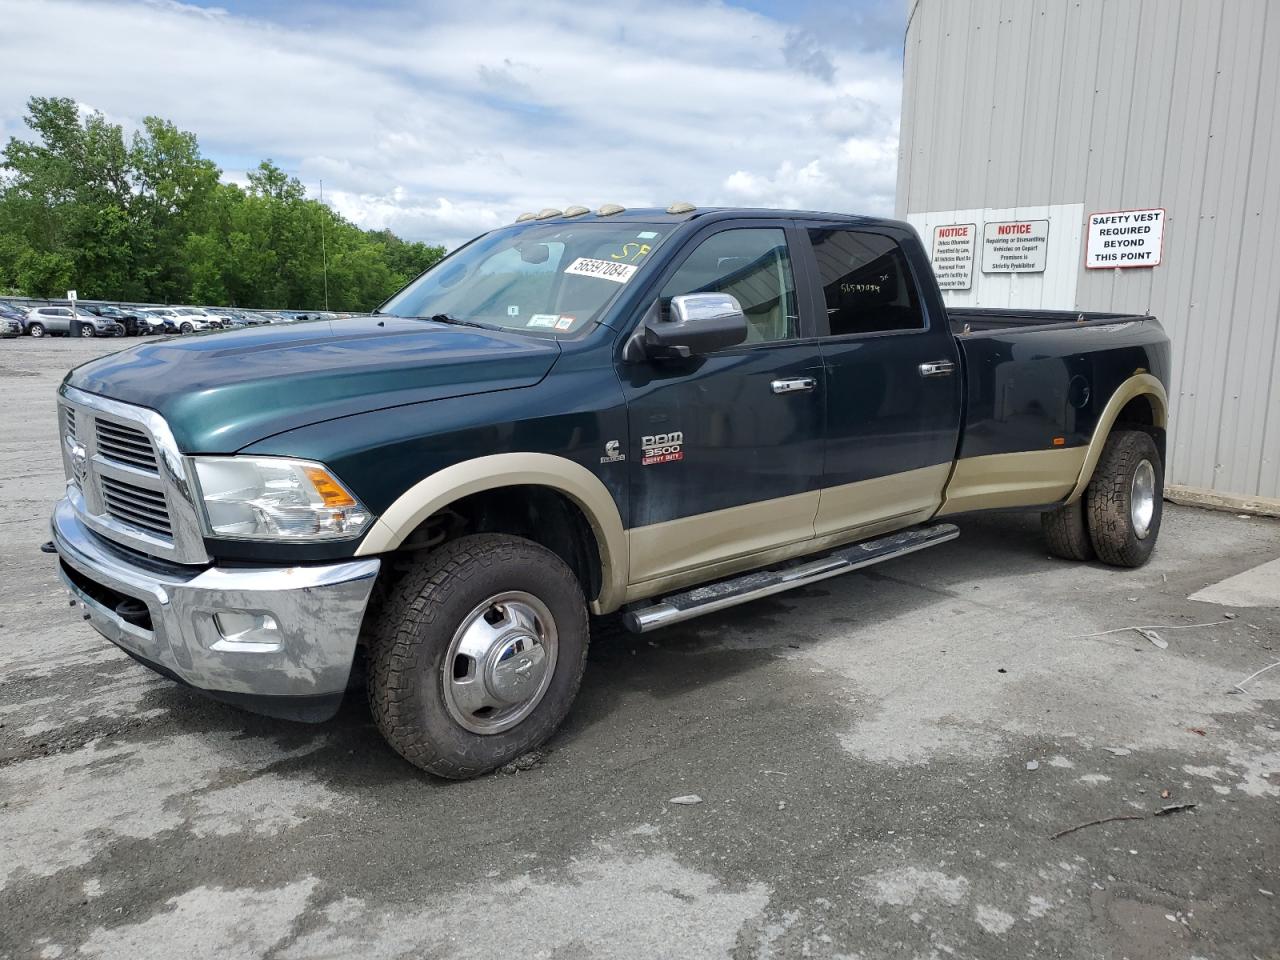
{"x":1118,"y":517}
{"x":477,"y":654}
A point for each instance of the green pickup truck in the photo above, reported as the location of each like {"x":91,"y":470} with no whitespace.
{"x":655,"y":414}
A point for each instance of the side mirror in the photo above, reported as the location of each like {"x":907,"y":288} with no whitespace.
{"x":699,"y":323}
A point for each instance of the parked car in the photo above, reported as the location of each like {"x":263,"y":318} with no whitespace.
{"x":10,"y":327}
{"x":133,"y":327}
{"x":12,"y":311}
{"x":658,"y":414}
{"x":192,"y":319}
{"x":160,"y":320}
{"x":46,"y":320}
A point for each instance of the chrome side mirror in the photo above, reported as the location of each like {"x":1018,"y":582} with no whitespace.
{"x":698,"y":323}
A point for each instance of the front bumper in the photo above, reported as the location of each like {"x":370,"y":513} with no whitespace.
{"x":284,"y":645}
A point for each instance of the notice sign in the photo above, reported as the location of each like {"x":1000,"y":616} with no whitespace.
{"x":953,"y":250}
{"x":1124,"y":238}
{"x":1016,"y":246}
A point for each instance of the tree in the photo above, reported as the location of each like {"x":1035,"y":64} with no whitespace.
{"x":151,"y":221}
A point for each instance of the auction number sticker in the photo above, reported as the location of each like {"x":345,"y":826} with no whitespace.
{"x":604,"y":269}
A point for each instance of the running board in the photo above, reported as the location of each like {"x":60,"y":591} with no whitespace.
{"x":764,"y":583}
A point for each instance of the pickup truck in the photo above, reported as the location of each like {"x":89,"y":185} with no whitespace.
{"x":653,"y":414}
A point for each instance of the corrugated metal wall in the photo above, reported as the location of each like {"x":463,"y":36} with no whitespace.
{"x":1122,"y":104}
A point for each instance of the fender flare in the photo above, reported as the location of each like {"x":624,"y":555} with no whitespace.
{"x":1139,"y":385}
{"x":580,"y":485}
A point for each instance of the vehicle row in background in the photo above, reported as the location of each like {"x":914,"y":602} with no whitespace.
{"x":111,"y":319}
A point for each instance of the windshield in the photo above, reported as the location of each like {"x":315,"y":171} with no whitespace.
{"x":544,"y":279}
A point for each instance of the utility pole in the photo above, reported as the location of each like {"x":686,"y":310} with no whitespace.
{"x":324,"y":255}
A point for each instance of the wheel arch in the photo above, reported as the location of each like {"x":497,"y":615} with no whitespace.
{"x":1142,"y":400}
{"x":570,"y":480}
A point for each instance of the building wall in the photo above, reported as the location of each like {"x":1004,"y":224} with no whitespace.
{"x":1027,"y":108}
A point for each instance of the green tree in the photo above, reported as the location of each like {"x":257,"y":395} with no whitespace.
{"x":150,"y":220}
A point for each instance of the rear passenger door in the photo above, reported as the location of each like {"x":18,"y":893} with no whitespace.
{"x":893,"y":399}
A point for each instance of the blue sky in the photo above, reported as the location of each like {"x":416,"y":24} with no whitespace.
{"x":443,"y":120}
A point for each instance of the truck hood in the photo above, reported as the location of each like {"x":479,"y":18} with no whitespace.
{"x":221,"y":392}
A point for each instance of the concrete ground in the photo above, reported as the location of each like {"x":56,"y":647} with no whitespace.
{"x":883,"y":765}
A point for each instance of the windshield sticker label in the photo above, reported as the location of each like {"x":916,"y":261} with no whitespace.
{"x":604,"y":269}
{"x":647,"y":235}
{"x":513,"y":310}
{"x":543,"y":320}
{"x":662,"y":448}
{"x":565,"y":322}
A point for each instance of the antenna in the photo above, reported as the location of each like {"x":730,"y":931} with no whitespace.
{"x":324,"y":255}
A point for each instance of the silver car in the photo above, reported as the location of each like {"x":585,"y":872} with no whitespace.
{"x":42,"y":321}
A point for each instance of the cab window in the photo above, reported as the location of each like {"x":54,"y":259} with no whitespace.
{"x":752,"y":265}
{"x":866,"y":283}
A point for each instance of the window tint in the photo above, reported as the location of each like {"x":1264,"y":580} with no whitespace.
{"x":751,"y":265}
{"x":865,"y":280}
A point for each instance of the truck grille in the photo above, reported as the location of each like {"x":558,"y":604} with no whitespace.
{"x":125,"y":445}
{"x":127,"y":478}
{"x":136,"y":506}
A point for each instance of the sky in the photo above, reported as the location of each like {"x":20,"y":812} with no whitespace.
{"x":443,"y":120}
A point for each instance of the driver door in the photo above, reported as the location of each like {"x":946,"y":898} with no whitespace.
{"x":725,"y":449}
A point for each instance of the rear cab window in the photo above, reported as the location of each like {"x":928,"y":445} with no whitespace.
{"x":866,"y":282}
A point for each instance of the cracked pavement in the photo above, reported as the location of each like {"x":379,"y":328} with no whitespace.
{"x":861,"y":749}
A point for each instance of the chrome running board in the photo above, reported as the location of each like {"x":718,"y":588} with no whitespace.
{"x":764,"y":583}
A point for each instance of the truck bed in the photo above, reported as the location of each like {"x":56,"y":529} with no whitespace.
{"x":976,"y":320}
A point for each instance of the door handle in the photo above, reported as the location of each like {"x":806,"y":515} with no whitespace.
{"x":794,"y":385}
{"x":937,"y":368}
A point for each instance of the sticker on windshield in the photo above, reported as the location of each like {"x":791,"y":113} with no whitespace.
{"x":543,"y":320}
{"x":565,"y":322}
{"x":604,"y":269}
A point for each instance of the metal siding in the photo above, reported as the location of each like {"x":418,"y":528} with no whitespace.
{"x":1115,"y":104}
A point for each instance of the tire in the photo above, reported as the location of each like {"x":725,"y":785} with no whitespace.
{"x":1124,"y":502}
{"x":1066,"y":531}
{"x":417,"y":685}
{"x":186,"y":328}
{"x":87,"y":330}
{"x":36,"y":329}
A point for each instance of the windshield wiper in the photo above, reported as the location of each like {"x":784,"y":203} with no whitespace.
{"x":456,"y":322}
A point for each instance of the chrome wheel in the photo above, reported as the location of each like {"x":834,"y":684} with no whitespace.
{"x":1142,"y":499}
{"x":500,"y":662}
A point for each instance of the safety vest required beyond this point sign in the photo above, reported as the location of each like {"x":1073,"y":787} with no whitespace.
{"x":953,"y":248}
{"x":1015,"y":246}
{"x":1124,"y":238}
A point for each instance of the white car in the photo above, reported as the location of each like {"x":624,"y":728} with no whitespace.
{"x":191,"y":319}
{"x":159,"y":320}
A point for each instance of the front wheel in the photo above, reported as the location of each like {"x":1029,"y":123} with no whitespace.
{"x":1125,"y":499}
{"x":477,"y":654}
{"x":36,"y":330}
{"x":186,"y":328}
{"x":88,"y":331}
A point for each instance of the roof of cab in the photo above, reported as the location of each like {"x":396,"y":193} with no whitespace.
{"x":660,"y":215}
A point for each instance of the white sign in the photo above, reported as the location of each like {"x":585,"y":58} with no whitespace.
{"x":1124,"y":238}
{"x":604,"y":269}
{"x":1015,"y":246}
{"x":953,"y":250}
{"x":71,"y":295}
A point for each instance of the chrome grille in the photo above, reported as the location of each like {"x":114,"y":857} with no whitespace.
{"x":125,"y":444}
{"x":136,"y":506}
{"x":127,"y":479}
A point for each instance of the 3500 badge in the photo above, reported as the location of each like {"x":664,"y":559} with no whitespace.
{"x":662,"y":448}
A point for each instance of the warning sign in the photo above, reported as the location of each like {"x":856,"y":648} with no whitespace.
{"x":953,"y":255}
{"x":1124,"y":238}
{"x":1015,"y":246}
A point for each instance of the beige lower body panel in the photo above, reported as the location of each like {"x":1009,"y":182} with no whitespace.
{"x":1013,"y":479}
{"x":680,"y":553}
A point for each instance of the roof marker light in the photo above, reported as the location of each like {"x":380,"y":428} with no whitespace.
{"x":609,"y":209}
{"x":681,"y":206}
{"x":523,"y":217}
{"x":547,"y":213}
{"x":576,"y":211}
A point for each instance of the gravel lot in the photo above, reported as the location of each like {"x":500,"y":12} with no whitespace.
{"x":882,"y":764}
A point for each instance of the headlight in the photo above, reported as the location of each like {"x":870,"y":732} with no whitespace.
{"x":274,"y":498}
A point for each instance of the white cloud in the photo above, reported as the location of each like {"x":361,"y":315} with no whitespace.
{"x":441,"y":123}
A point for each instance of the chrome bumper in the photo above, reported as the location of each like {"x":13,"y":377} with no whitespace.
{"x":279,"y":640}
